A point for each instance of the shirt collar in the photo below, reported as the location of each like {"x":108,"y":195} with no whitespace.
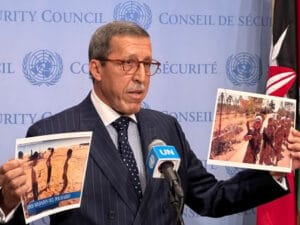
{"x":106,"y":113}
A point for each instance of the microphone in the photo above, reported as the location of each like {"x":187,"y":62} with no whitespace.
{"x":163,"y":162}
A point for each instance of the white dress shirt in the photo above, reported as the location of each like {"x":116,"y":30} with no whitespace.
{"x":108,"y":115}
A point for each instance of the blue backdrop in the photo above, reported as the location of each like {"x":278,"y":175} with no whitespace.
{"x":203,"y":45}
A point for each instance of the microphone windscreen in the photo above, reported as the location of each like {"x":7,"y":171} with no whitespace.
{"x":154,"y":143}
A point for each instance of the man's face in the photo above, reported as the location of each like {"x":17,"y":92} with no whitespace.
{"x":257,"y":124}
{"x":123,"y":91}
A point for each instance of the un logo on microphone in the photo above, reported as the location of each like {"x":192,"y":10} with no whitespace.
{"x":244,"y":68}
{"x":151,"y":162}
{"x":42,"y":67}
{"x":134,"y":11}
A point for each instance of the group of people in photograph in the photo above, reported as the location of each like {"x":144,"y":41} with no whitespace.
{"x":267,"y":139}
{"x":35,"y":172}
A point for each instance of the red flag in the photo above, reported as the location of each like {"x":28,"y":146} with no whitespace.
{"x":281,"y":82}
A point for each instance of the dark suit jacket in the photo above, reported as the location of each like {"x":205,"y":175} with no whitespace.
{"x":109,"y":198}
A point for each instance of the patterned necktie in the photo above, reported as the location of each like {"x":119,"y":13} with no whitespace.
{"x":121,"y":126}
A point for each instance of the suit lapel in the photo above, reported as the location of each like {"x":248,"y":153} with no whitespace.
{"x":148,"y":131}
{"x":107,"y":159}
{"x":105,"y":155}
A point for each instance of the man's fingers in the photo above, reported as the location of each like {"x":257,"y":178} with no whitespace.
{"x":295,"y":132}
{"x":294,"y":147}
{"x":11,"y":165}
{"x":13,"y":178}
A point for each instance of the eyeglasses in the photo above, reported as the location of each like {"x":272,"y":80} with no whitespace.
{"x":130,"y":66}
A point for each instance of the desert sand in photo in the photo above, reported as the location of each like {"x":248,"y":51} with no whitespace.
{"x":75,"y":169}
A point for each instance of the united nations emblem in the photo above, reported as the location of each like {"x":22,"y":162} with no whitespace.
{"x":134,"y":11}
{"x":151,"y":162}
{"x":244,"y":68}
{"x":42,"y":67}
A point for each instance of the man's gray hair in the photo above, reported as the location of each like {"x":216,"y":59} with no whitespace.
{"x":100,"y":48}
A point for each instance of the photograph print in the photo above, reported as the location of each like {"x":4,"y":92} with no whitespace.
{"x":55,"y":167}
{"x":251,"y":130}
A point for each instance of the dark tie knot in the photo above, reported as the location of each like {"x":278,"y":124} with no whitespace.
{"x":121,"y":123}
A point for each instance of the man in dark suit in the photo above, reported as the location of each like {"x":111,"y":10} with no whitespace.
{"x":120,"y":63}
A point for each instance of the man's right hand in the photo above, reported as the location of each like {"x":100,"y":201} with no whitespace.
{"x":13,"y":183}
